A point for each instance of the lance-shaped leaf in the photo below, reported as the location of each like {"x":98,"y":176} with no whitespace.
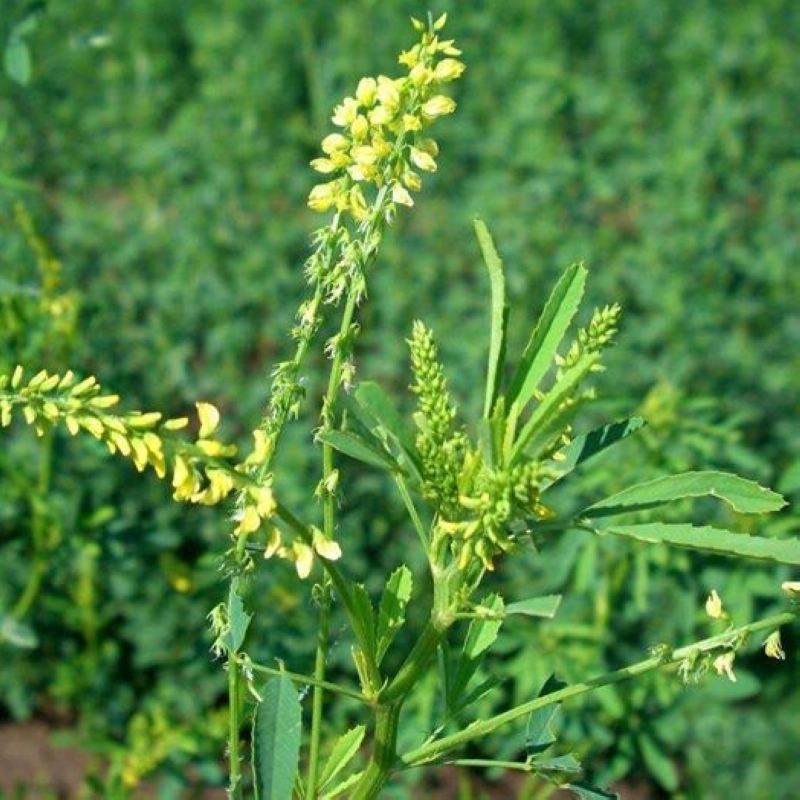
{"x":583,"y":447}
{"x":544,"y":607}
{"x":238,"y":622}
{"x":547,"y":335}
{"x":550,"y":405}
{"x":276,"y":740}
{"x":499,"y":315}
{"x":392,"y":609}
{"x":740,"y":494}
{"x":712,"y":540}
{"x":359,"y":448}
{"x":364,"y":620}
{"x":380,"y":416}
{"x":481,"y":634}
{"x":342,"y":786}
{"x":344,"y":749}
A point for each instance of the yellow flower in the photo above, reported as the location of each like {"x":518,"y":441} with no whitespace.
{"x":345,"y":113}
{"x":303,"y":559}
{"x":438,"y":106}
{"x":448,"y":69}
{"x":209,"y":419}
{"x":334,"y":142}
{"x":327,"y":548}
{"x":323,"y":196}
{"x":401,"y":195}
{"x":360,"y":128}
{"x":773,"y":647}
{"x":387,"y":92}
{"x":724,"y":665}
{"x":714,"y":606}
{"x":323,"y":165}
{"x":249,"y":520}
{"x":366,"y":91}
{"x":422,"y":160}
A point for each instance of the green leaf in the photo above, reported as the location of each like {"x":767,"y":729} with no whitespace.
{"x":586,"y":792}
{"x":482,"y":633}
{"x":711,"y":540}
{"x":539,"y":734}
{"x":742,"y":495}
{"x":17,"y":633}
{"x":238,"y":620}
{"x":548,"y":333}
{"x":374,"y":402}
{"x":545,"y":606}
{"x":364,"y":619}
{"x":499,"y":317}
{"x":17,"y":61}
{"x":344,"y":749}
{"x":658,"y":763}
{"x":392,"y":609}
{"x":550,"y":405}
{"x":358,"y":448}
{"x":352,"y":780}
{"x":567,"y":763}
{"x":583,"y":447}
{"x":276,"y":740}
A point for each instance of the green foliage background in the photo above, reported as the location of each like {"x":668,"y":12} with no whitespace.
{"x":165,"y":144}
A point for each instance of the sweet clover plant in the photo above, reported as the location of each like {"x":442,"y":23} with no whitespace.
{"x":477,"y":491}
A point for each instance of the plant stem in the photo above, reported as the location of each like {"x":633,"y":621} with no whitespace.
{"x":482,"y":728}
{"x":319,"y":689}
{"x":234,"y":763}
{"x":311,"y":681}
{"x":384,"y":753}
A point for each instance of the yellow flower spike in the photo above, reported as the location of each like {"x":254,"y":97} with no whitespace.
{"x":448,"y":69}
{"x":180,"y":472}
{"x":273,"y":543}
{"x":773,"y":647}
{"x":400,"y":195}
{"x":422,"y":160}
{"x":714,"y":606}
{"x":438,"y":106}
{"x":334,"y":142}
{"x":16,"y":378}
{"x":176,"y":424}
{"x":366,"y":92}
{"x":322,"y":196}
{"x":323,"y":165}
{"x":209,"y":419}
{"x":360,"y":128}
{"x":303,"y":559}
{"x":724,"y":665}
{"x":139,"y":453}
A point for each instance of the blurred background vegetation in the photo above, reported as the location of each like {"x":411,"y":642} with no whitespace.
{"x":153,"y":226}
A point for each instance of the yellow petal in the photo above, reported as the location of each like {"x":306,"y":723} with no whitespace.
{"x":209,"y":419}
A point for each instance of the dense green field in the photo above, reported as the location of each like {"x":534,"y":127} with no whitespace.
{"x":153,"y":220}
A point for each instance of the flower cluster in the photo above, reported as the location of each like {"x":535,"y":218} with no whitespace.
{"x":200,"y":471}
{"x":380,"y":139}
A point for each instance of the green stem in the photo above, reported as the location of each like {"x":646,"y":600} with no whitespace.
{"x":417,"y":662}
{"x":234,"y":758}
{"x":384,"y":754}
{"x":32,"y":587}
{"x":319,"y":691}
{"x":482,"y":728}
{"x":310,"y":680}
